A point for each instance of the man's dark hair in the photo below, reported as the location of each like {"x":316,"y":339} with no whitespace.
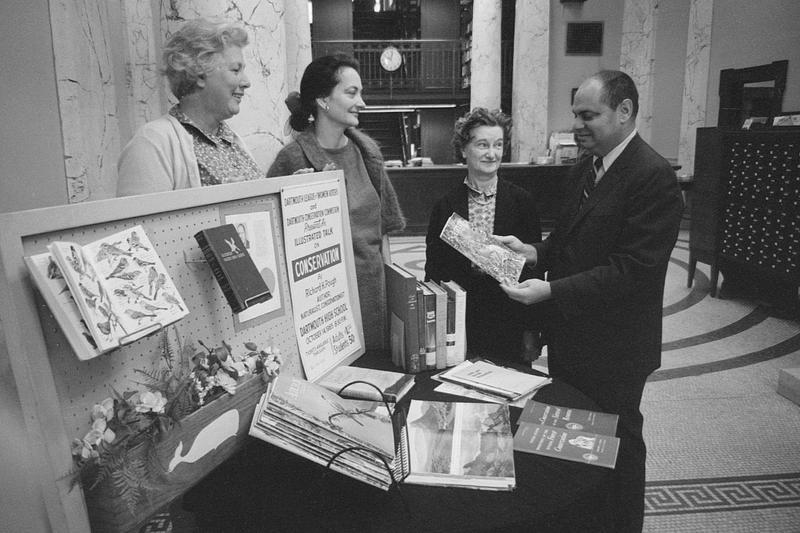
{"x":617,"y":86}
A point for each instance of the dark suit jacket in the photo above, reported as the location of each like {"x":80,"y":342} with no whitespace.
{"x":607,"y":262}
{"x":494,"y":323}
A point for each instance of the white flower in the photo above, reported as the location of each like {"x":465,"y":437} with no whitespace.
{"x":226,"y":382}
{"x":104,"y":409}
{"x":99,"y":425}
{"x":147,"y":401}
{"x":93,"y":438}
{"x":109,"y":436}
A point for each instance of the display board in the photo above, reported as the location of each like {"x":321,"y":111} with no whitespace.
{"x":54,"y":390}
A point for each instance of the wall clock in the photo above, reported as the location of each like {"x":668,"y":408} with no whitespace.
{"x":391,"y":58}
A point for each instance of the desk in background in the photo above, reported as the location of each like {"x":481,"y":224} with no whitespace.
{"x":274,"y":490}
{"x":419,"y":188}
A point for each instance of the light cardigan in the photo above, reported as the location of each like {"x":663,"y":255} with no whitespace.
{"x":160,"y":157}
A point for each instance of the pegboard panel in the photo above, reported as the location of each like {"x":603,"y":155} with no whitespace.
{"x":80,"y":384}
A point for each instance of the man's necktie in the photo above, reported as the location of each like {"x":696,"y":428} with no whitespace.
{"x":590,"y":178}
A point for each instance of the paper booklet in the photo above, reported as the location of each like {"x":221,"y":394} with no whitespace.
{"x":498,"y":381}
{"x":459,"y":444}
{"x":569,"y":418}
{"x":107,"y":293}
{"x":485,"y":251}
{"x":579,"y":446}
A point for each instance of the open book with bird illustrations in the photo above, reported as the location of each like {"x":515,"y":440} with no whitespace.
{"x":107,"y":293}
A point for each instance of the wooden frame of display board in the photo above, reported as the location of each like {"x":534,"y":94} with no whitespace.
{"x":47,"y":393}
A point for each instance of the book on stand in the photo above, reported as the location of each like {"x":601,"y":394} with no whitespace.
{"x":459,"y":444}
{"x":441,"y":323}
{"x":230,"y":262}
{"x":401,"y":295}
{"x":107,"y":293}
{"x":357,"y":438}
{"x":467,"y":445}
{"x":486,"y":252}
{"x":429,"y":306}
{"x":392,"y":385}
{"x":569,"y":418}
{"x":456,"y":322}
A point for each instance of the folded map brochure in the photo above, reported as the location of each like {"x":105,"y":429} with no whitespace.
{"x":498,"y":381}
{"x":569,"y":418}
{"x":106,"y":293}
{"x":571,"y":445}
{"x":486,"y":252}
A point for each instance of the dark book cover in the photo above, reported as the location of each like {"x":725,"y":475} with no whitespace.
{"x":241,"y":282}
{"x":579,"y":446}
{"x":569,"y":418}
{"x":401,"y":293}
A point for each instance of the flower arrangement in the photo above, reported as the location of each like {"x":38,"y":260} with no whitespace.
{"x":184,"y":380}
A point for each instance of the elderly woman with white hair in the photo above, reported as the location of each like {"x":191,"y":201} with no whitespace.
{"x":192,"y":146}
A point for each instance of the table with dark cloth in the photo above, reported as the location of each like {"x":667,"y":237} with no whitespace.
{"x":265,"y":488}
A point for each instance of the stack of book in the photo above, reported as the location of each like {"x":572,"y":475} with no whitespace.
{"x":368,"y":383}
{"x":427,"y":321}
{"x":313,"y":422}
{"x":495,"y":381}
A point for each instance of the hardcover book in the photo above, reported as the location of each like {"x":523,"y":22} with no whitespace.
{"x":440,"y":297}
{"x":391,"y":386}
{"x":401,"y":295}
{"x":580,"y":446}
{"x":486,"y":252}
{"x":569,"y":418}
{"x":458,"y":444}
{"x":237,"y":275}
{"x":429,"y":308}
{"x":107,"y":293}
{"x":456,"y":322}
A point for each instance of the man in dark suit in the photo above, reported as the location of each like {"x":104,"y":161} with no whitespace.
{"x":606,"y":261}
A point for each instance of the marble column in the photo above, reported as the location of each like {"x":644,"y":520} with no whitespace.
{"x":637,"y":56}
{"x":86,"y":97}
{"x":531,"y":78}
{"x":695,"y":84}
{"x":485,"y":55}
{"x":298,"y":42}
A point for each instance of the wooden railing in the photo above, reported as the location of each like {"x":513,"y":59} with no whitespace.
{"x":430,"y":65}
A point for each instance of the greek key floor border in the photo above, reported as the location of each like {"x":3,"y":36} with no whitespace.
{"x":722,"y":494}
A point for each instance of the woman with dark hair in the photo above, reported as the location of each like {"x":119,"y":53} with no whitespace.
{"x":496,"y":326}
{"x":325,"y":113}
{"x":191,"y":146}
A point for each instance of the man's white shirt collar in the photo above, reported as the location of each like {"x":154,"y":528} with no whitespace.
{"x":612,"y":156}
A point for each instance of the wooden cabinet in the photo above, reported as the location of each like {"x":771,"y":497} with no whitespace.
{"x":745,"y":204}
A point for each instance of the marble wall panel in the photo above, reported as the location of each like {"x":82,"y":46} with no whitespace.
{"x":86,"y":97}
{"x":695,"y":89}
{"x":531,"y":79}
{"x":637,"y":56}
